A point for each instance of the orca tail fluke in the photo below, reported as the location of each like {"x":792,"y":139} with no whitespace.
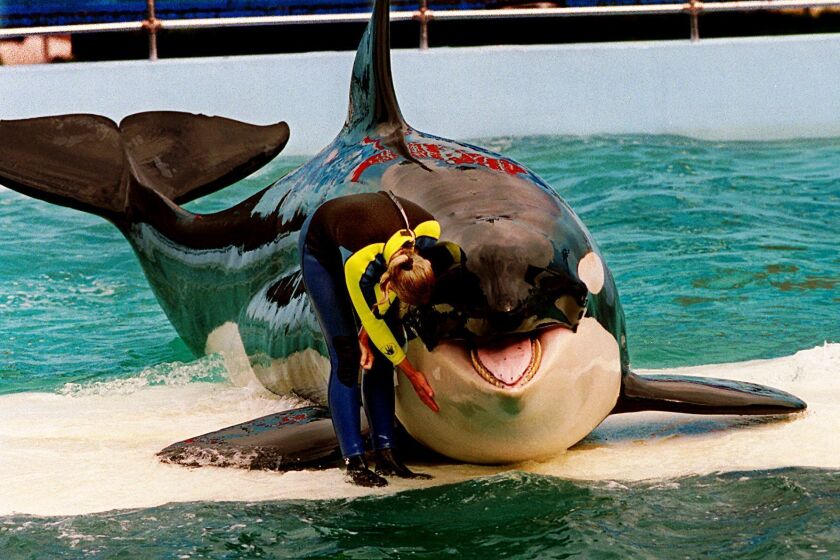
{"x":69,"y":160}
{"x":699,"y":395}
{"x":185,"y":156}
{"x":89,"y":163}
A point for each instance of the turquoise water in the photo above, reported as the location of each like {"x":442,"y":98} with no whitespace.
{"x":792,"y":513}
{"x":722,"y":252}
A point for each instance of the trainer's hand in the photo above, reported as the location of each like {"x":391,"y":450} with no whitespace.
{"x":364,"y":345}
{"x":420,"y":384}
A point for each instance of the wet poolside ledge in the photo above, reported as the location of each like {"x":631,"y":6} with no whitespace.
{"x":732,"y":89}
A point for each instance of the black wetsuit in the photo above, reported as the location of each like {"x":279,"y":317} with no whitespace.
{"x":344,"y":246}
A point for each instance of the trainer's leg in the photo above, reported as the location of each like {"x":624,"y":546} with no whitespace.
{"x":338,"y":326}
{"x":378,"y":391}
{"x":332,"y":306}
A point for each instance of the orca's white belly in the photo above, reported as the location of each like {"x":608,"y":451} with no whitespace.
{"x":304,"y":373}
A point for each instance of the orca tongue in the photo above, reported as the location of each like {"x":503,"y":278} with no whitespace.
{"x":507,"y":363}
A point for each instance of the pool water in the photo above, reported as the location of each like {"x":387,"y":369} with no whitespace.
{"x":723,"y":253}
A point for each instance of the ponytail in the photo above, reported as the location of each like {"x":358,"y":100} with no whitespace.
{"x":409,"y":275}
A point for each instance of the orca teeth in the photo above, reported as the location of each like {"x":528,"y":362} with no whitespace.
{"x":527,"y":374}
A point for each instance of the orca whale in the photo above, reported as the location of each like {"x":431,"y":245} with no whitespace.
{"x":524,"y":341}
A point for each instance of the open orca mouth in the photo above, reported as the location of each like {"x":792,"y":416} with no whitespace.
{"x":512,"y":362}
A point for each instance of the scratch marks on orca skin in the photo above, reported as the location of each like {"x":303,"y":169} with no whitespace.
{"x":306,"y":187}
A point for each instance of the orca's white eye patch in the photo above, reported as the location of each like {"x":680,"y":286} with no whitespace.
{"x":591,"y":272}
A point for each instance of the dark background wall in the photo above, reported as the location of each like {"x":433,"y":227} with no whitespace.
{"x":303,"y":38}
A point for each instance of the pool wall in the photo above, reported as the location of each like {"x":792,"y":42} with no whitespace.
{"x":751,"y":88}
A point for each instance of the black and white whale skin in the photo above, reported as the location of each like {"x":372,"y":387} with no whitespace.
{"x":524,"y":343}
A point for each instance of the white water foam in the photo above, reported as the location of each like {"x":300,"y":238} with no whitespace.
{"x":87,"y":450}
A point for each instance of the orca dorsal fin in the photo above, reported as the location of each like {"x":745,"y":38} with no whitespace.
{"x":372,"y":99}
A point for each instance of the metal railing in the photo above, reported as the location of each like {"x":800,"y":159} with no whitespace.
{"x":424,"y":15}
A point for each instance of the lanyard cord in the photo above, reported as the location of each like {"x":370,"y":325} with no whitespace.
{"x":401,"y":210}
{"x":385,"y":280}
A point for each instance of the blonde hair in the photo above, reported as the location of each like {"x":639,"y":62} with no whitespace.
{"x":410,"y":276}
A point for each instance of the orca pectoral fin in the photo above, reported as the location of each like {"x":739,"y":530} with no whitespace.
{"x":289,"y":440}
{"x":698,"y":395}
{"x":184,"y":156}
{"x":69,"y":160}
